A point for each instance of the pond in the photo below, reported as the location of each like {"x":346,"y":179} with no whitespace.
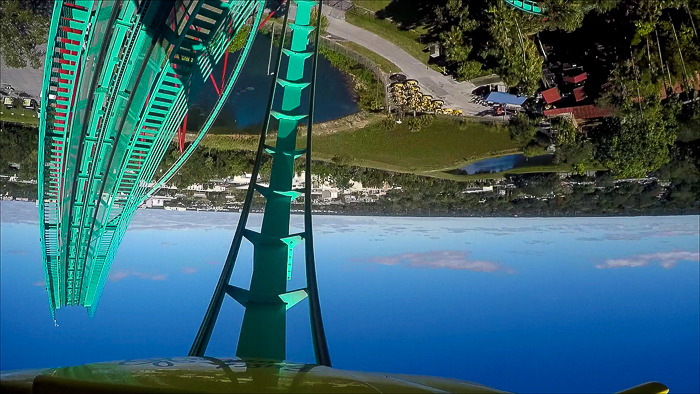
{"x":504,"y":163}
{"x":245,"y":109}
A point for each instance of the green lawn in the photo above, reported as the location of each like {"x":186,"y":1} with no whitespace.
{"x":19,"y":115}
{"x":438,"y":146}
{"x":442,"y":145}
{"x":383,"y":63}
{"x":374,"y":5}
{"x":432,"y":151}
{"x":406,"y":39}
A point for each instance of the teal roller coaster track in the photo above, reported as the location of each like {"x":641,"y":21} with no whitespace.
{"x":117,"y":81}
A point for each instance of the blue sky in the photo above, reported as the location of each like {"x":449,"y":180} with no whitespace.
{"x":525,"y":305}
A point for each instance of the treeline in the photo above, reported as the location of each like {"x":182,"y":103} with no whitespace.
{"x":677,"y":190}
{"x":533,"y":194}
{"x":481,"y":36}
{"x":18,"y":146}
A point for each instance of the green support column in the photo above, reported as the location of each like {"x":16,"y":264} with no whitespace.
{"x":264,"y":324}
{"x":263,"y":332}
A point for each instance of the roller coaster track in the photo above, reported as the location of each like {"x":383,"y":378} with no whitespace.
{"x":117,"y":79}
{"x":266,"y":301}
{"x":118,"y":76}
{"x":528,"y":6}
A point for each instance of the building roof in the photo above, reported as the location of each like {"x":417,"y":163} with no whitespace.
{"x":505,"y":98}
{"x":580,"y":112}
{"x":492,"y":79}
{"x":551,"y":95}
{"x":576,"y":79}
{"x":579,"y":94}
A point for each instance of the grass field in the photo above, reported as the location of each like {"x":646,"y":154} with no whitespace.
{"x":19,"y":115}
{"x":374,"y":5}
{"x":406,"y":39}
{"x":384,"y":64}
{"x":442,"y":145}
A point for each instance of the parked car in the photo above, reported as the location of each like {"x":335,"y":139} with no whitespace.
{"x":9,"y":102}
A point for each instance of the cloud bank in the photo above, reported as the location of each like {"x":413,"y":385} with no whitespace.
{"x":666,"y":260}
{"x":440,"y":259}
{"x":116,"y":276}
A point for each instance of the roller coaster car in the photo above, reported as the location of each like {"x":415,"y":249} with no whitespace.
{"x":234,"y":375}
{"x":411,"y":82}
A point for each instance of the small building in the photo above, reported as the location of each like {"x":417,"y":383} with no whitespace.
{"x":8,"y":102}
{"x":551,"y":95}
{"x":157,"y":201}
{"x":28,"y":104}
{"x":575,"y":79}
{"x":435,"y":50}
{"x":579,"y":94}
{"x":582,"y":114}
{"x":506,"y":99}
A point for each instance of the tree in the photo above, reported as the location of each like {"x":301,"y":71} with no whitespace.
{"x":578,"y":168}
{"x":566,"y":132}
{"x":635,"y":144}
{"x":522,"y":129}
{"x":324,"y":20}
{"x":22,"y":31}
{"x":457,"y":28}
{"x":519,"y":62}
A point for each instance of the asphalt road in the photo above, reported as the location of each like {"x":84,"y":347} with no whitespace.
{"x":26,"y":79}
{"x":457,"y":95}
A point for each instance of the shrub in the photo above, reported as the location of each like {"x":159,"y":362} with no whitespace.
{"x":239,"y":39}
{"x":388,"y":123}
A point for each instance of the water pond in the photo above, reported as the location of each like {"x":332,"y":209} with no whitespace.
{"x":505,"y":163}
{"x":245,"y":109}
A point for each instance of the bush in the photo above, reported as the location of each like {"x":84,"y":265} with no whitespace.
{"x":522,"y":129}
{"x":413,"y":124}
{"x":469,"y":70}
{"x":388,"y":123}
{"x":369,"y":89}
{"x":239,"y":39}
{"x":417,"y":122}
{"x":341,"y":160}
{"x":533,"y":149}
{"x":578,"y":169}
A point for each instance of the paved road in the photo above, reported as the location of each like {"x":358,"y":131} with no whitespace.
{"x":26,"y":79}
{"x":457,"y":95}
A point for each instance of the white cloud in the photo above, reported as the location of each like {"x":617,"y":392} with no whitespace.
{"x":116,"y":276}
{"x":665,"y":259}
{"x":446,"y":259}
